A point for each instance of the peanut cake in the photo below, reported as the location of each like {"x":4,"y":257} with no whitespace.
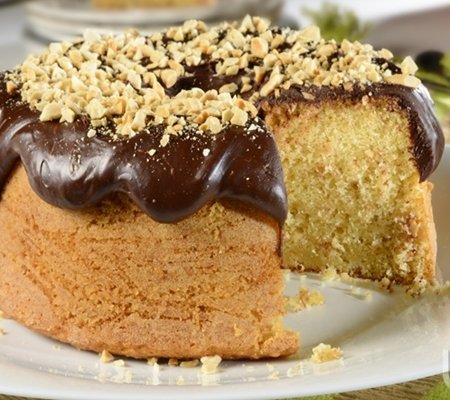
{"x":154,"y":186}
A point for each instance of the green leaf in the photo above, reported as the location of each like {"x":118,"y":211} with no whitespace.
{"x":337,"y":24}
{"x":445,"y":62}
{"x":432,"y":77}
{"x":440,"y":392}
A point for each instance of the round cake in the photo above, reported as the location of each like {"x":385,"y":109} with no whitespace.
{"x":153,"y":187}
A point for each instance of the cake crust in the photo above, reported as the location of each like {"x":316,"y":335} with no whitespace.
{"x":139,"y":288}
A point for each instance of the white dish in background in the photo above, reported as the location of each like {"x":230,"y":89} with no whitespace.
{"x":404,"y":27}
{"x":386,"y":339}
{"x":82,"y":11}
{"x":60,"y":30}
{"x":56,"y":19}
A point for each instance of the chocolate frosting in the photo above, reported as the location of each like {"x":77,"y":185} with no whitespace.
{"x":68,"y":169}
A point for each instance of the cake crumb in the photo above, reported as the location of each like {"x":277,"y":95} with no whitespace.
{"x":359,"y":294}
{"x":210,"y":364}
{"x":155,"y":369}
{"x":274,"y":375}
{"x":2,"y":332}
{"x":189,"y":364}
{"x":324,"y":352}
{"x":119,"y":363}
{"x":296,"y":370}
{"x":270,"y":367}
{"x":385,"y":283}
{"x":152,"y":361}
{"x":303,"y":299}
{"x":173,"y":362}
{"x":180,"y":381}
{"x":329,"y":274}
{"x":106,"y":357}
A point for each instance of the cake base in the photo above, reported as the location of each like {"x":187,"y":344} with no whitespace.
{"x":111,"y":278}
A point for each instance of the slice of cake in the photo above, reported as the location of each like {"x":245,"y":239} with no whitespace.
{"x":144,"y":198}
{"x":357,"y":200}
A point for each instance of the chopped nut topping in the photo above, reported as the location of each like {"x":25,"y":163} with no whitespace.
{"x":229,"y":88}
{"x":404,"y":80}
{"x":169,"y":77}
{"x":91,"y":133}
{"x":385,"y":53}
{"x":259,"y":47}
{"x":10,"y":87}
{"x":239,"y":116}
{"x":51,"y":111}
{"x":408,"y":66}
{"x":126,"y":81}
{"x":275,"y":80}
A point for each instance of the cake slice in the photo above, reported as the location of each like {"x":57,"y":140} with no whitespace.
{"x":144,"y":208}
{"x":354,"y":165}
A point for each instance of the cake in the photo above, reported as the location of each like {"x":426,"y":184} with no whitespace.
{"x":154,"y":187}
{"x":358,"y":202}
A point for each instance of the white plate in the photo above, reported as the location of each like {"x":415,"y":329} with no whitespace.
{"x":82,"y":11}
{"x":65,"y":19}
{"x":386,"y":339}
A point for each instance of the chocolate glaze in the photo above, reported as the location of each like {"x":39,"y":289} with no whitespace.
{"x":427,"y":139}
{"x":68,"y":169}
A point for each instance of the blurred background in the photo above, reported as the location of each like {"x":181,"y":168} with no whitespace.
{"x":420,"y":28}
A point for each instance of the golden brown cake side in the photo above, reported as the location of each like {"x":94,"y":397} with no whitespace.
{"x":110,"y":277}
